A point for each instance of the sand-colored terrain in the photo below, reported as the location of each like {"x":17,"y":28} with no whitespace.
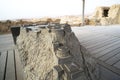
{"x":101,"y":16}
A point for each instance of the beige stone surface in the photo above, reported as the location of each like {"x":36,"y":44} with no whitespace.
{"x":114,"y":14}
{"x":37,"y":55}
{"x":112,"y":18}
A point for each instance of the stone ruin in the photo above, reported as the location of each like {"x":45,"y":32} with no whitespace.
{"x":50,"y":52}
{"x":107,"y":15}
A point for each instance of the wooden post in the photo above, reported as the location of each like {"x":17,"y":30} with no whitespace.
{"x":83,"y":10}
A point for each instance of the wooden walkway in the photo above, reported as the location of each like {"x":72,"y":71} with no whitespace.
{"x":103,"y":44}
{"x":10,"y":66}
{"x":6,"y":42}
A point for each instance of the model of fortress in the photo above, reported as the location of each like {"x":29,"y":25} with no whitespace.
{"x":52,"y":52}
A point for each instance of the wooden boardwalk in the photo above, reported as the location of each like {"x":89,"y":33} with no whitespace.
{"x":103,"y":44}
{"x":10,"y":66}
{"x":6,"y":42}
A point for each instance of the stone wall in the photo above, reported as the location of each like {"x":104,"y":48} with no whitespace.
{"x":36,"y":53}
{"x":99,"y":12}
{"x":50,"y":53}
{"x":113,"y":16}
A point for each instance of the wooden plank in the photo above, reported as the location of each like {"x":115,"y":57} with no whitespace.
{"x":88,"y":35}
{"x":110,"y":68}
{"x":6,"y":42}
{"x":102,"y":43}
{"x":113,"y":60}
{"x":89,"y":38}
{"x":19,"y":68}
{"x":117,"y":65}
{"x":96,"y":45}
{"x":106,"y":51}
{"x":105,"y":47}
{"x":10,"y":70}
{"x":84,"y":35}
{"x":5,"y":47}
{"x":96,"y":40}
{"x":107,"y":74}
{"x":3,"y":62}
{"x":110,"y":54}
